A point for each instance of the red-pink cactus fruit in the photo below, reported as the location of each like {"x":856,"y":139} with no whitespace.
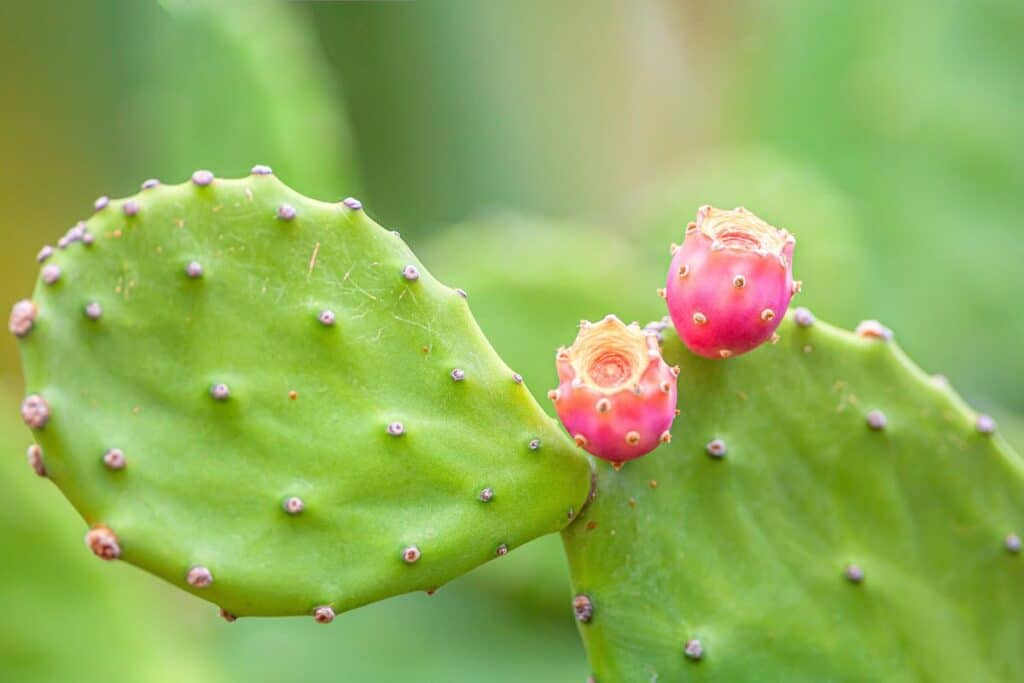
{"x":616,"y":396}
{"x":730,"y":283}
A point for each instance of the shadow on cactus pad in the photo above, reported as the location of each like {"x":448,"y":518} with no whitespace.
{"x":825,"y":511}
{"x":268,"y":401}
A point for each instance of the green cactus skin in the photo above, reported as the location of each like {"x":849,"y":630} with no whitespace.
{"x":213,"y":368}
{"x":816,"y":548}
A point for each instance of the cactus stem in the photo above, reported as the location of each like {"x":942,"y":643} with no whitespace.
{"x":34,"y":455}
{"x":486,"y":495}
{"x":220,"y":392}
{"x":150,"y":184}
{"x":411,"y":554}
{"x":985,"y":424}
{"x":1012,"y":543}
{"x":803,"y":317}
{"x":534,"y":444}
{"x":103,"y":543}
{"x":716,"y":448}
{"x":35,"y":411}
{"x":199,"y":577}
{"x":227,"y":616}
{"x":262,"y":169}
{"x":202,"y":178}
{"x":396,"y":429}
{"x":327,"y":318}
{"x":632,"y":438}
{"x":876,"y":420}
{"x":323,"y":614}
{"x":51,"y":274}
{"x":583,"y":608}
{"x":694,"y":650}
{"x":458,"y":374}
{"x":23,"y":318}
{"x":603,"y":405}
{"x":411,"y":273}
{"x":853,"y":573}
{"x":113,"y":459}
{"x":101,"y":203}
{"x":699,"y":318}
{"x":739,"y":282}
{"x":293,"y":505}
{"x":194,"y":270}
{"x":93,"y":310}
{"x":130,"y":207}
{"x":286,"y":212}
{"x":502,"y":549}
{"x":352,"y":203}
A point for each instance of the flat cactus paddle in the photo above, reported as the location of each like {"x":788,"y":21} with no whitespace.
{"x":269,"y":402}
{"x":825,"y":511}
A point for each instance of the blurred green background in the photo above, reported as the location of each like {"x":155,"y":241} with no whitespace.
{"x":541,"y":155}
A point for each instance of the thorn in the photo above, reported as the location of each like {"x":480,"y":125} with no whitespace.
{"x":202,"y":178}
{"x":227,"y":616}
{"x":798,"y":286}
{"x":326,"y":318}
{"x":261,"y":169}
{"x":501,"y":550}
{"x":103,"y":543}
{"x":632,"y":438}
{"x":1012,"y":543}
{"x":113,"y":459}
{"x":461,"y":292}
{"x":725,"y":353}
{"x":517,"y":378}
{"x":583,"y":608}
{"x":194,"y":269}
{"x":603,"y":405}
{"x":534,"y":444}
{"x":312,"y":257}
{"x":23,"y":318}
{"x":130,"y":207}
{"x":150,"y":184}
{"x":699,"y":318}
{"x":553,"y":395}
{"x":853,"y":573}
{"x":286,"y":212}
{"x":323,"y":614}
{"x":666,"y":437}
{"x":872,"y":329}
{"x":93,"y":311}
{"x":34,"y":455}
{"x":739,"y":282}
{"x":985,"y":424}
{"x":411,"y":273}
{"x":803,"y":317}
{"x":661,"y":292}
{"x":767,"y":315}
{"x":486,"y":495}
{"x":458,"y":374}
{"x":293,"y":505}
{"x":411,"y":554}
{"x":220,"y":392}
{"x":580,"y":440}
{"x":876,"y":420}
{"x":199,"y":577}
{"x":352,"y":203}
{"x":44,"y":253}
{"x":693,"y":649}
{"x":716,"y":448}
{"x":35,"y":411}
{"x":101,"y":203}
{"x":51,"y":274}
{"x":396,"y":429}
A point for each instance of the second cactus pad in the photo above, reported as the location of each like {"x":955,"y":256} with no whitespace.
{"x":268,"y":401}
{"x":825,"y":511}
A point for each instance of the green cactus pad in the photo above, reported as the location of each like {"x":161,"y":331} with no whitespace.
{"x":306,"y":418}
{"x":814,"y":547}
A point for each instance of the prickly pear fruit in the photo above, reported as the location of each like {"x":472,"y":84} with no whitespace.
{"x":730,"y":283}
{"x":616,"y":396}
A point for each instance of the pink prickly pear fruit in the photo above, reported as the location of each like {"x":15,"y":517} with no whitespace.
{"x":616,"y":396}
{"x":730,"y":283}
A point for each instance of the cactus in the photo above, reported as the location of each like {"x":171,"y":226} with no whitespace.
{"x":616,"y":396}
{"x":730,"y":283}
{"x":268,"y":401}
{"x":825,"y":511}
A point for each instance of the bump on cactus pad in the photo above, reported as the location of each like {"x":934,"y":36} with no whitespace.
{"x":787,"y":533}
{"x":249,"y":394}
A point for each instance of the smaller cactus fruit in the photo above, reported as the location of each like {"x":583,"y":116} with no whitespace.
{"x":616,"y":397}
{"x":730,"y":283}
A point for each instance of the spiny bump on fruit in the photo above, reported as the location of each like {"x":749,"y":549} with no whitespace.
{"x":583,"y":608}
{"x":51,"y":274}
{"x":716,"y":448}
{"x":323,"y":614}
{"x":730,"y":283}
{"x":114,"y":459}
{"x":93,"y":310}
{"x":227,"y":616}
{"x":35,"y":411}
{"x":150,"y":183}
{"x":616,"y":396}
{"x":985,"y":424}
{"x":286,"y":212}
{"x":411,"y":273}
{"x":411,"y":554}
{"x":872,"y":329}
{"x":23,"y":318}
{"x":693,"y":649}
{"x":103,"y":542}
{"x":202,"y":178}
{"x":293,"y":505}
{"x":352,"y":203}
{"x":199,"y":577}
{"x":876,"y":420}
{"x":34,"y":455}
{"x":854,"y":573}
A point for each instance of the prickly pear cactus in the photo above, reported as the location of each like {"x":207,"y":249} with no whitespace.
{"x":825,"y":511}
{"x":268,"y":401}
